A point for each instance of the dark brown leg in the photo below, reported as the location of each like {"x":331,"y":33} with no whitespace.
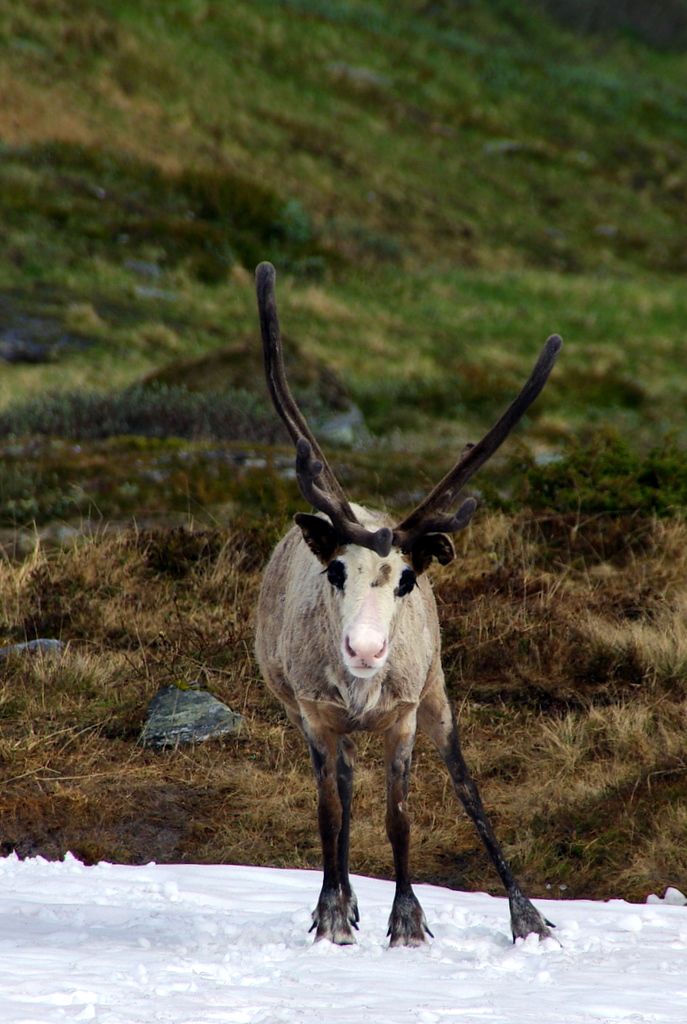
{"x":344,"y":779}
{"x":436,"y":719}
{"x":407,"y":924}
{"x":336,"y":909}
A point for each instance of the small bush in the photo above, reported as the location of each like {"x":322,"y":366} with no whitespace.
{"x":608,"y":475}
{"x":29,"y":493}
{"x":159,"y":411}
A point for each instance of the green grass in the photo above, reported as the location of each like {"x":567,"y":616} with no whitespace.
{"x":440,"y":187}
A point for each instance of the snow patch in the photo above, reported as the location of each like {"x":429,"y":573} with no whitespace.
{"x":673,"y":897}
{"x":229,"y":945}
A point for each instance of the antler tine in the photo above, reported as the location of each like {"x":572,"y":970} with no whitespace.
{"x":282,"y":398}
{"x":308,"y":470}
{"x":316,"y":481}
{"x":427,"y":517}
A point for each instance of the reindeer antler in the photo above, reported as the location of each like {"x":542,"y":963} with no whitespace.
{"x":430,"y":516}
{"x":316,"y":481}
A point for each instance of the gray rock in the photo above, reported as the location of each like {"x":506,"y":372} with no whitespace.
{"x":502,"y":147}
{"x":145,"y":268}
{"x":346,"y":427}
{"x":606,"y":230}
{"x":547,"y":458}
{"x":15,"y":349}
{"x":178,"y":716}
{"x":148,"y":292}
{"x":27,"y":337}
{"x":47,"y":647}
{"x":360,"y":76}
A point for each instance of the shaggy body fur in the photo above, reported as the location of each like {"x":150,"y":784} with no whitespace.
{"x":299,"y":639}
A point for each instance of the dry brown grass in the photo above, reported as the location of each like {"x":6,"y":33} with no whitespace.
{"x":564,"y":650}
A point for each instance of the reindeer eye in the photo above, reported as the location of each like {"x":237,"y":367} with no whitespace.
{"x":336,"y":574}
{"x":406,"y":583}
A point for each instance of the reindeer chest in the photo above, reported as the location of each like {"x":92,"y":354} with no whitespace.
{"x":338,"y":719}
{"x":344,"y":703}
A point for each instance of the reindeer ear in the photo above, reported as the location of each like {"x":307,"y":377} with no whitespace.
{"x":429,"y":546}
{"x":319,"y":535}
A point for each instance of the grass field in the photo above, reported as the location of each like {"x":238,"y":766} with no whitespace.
{"x":440,"y":186}
{"x":482,"y":179}
{"x":565,"y":651}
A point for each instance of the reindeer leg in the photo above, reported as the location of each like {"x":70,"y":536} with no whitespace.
{"x":336,"y":908}
{"x":436,"y":719}
{"x":344,"y":779}
{"x":407,"y":924}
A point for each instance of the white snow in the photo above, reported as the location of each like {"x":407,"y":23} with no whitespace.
{"x":202,"y":945}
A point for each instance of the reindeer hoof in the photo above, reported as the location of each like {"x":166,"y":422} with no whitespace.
{"x":526,"y":920}
{"x":334,"y":917}
{"x":407,"y":923}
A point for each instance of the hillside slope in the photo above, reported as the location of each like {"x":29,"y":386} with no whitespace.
{"x":441,"y":184}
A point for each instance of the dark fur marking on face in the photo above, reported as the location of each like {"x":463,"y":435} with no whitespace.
{"x":407,"y":582}
{"x":336,"y":574}
{"x":382,"y":576}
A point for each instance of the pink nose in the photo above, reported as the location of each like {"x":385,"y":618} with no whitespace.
{"x":365,"y":644}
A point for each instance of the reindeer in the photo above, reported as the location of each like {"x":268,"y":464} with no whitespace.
{"x":348,"y":640}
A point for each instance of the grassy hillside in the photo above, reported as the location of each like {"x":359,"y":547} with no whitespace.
{"x":441,"y":185}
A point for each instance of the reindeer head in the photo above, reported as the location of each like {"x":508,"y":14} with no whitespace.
{"x":375,"y":569}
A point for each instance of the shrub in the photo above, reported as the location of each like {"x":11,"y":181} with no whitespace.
{"x":159,"y":411}
{"x":29,"y":494}
{"x":608,"y":475}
